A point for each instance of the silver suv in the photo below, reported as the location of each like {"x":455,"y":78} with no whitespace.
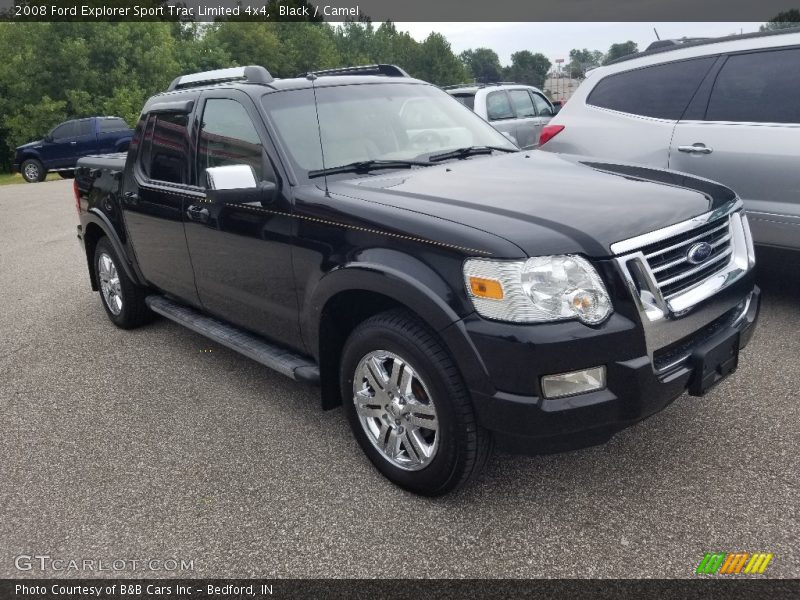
{"x":519,"y":111}
{"x":726,"y":109}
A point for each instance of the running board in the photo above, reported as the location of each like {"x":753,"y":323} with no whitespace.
{"x":280,"y":359}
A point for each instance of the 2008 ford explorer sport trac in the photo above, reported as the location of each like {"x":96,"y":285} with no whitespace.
{"x":448,"y":289}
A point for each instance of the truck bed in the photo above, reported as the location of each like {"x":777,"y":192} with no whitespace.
{"x":112,"y":162}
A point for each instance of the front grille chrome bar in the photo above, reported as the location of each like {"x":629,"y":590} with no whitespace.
{"x":672,"y":294}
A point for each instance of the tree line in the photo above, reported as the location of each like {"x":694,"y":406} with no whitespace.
{"x":54,"y":71}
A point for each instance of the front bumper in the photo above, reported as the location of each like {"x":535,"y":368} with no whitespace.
{"x":15,"y":167}
{"x":638,"y":383}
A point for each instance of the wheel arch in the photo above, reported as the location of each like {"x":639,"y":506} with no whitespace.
{"x":347,"y":296}
{"x":96,"y":225}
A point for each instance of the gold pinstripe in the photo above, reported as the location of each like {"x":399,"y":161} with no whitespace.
{"x":325,"y":222}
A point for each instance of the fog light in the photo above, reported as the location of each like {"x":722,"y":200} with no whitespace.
{"x":575,"y":382}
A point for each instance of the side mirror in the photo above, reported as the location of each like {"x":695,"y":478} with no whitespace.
{"x":231,"y":177}
{"x":238,"y":183}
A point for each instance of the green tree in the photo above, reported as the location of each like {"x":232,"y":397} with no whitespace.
{"x":253,"y":43}
{"x":619,"y":50}
{"x":783,"y":20}
{"x":308,"y":46}
{"x":528,"y":68}
{"x":398,"y":48}
{"x":483,"y":63}
{"x":437,"y":63}
{"x":581,"y":61}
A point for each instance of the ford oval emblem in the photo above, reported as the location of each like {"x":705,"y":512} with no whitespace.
{"x":699,"y":252}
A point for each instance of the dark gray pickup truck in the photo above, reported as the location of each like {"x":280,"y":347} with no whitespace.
{"x":449,"y":290}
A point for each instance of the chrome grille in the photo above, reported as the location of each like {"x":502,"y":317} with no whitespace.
{"x":669,"y":261}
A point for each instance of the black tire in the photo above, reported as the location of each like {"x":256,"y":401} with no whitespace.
{"x":32,"y":170}
{"x":463,"y":445}
{"x":66,"y":174}
{"x":133,"y":311}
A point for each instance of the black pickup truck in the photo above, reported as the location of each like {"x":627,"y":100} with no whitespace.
{"x":451,"y":291}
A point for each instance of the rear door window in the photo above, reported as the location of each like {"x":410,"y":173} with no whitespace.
{"x":522,"y":103}
{"x":763,"y":87}
{"x":543,"y":107}
{"x":165,"y":148}
{"x":85,"y":127}
{"x":113,"y":125}
{"x":498,"y":107}
{"x":660,"y":91}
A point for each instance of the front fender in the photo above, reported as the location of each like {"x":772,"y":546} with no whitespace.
{"x":425,"y":293}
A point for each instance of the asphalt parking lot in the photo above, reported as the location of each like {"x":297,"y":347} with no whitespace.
{"x":158,"y":444}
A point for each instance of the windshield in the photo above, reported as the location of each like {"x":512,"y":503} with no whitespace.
{"x":368,"y":122}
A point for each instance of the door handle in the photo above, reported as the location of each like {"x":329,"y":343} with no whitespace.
{"x":197,"y":213}
{"x":73,"y":143}
{"x":130,"y":198}
{"x":696,"y":149}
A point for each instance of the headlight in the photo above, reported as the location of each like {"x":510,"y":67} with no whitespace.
{"x":544,"y":288}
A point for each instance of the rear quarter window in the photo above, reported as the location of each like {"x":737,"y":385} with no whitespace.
{"x":660,"y":91}
{"x":763,"y":87}
{"x":467,"y":100}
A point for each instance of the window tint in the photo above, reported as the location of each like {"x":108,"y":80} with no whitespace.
{"x":498,"y":106}
{"x":543,"y":107}
{"x":65,"y":130}
{"x":661,"y":91}
{"x":85,"y":127}
{"x":467,"y":100}
{"x":165,"y":148}
{"x":113,"y":125}
{"x":228,"y":137}
{"x":761,"y":87}
{"x":522,"y":103}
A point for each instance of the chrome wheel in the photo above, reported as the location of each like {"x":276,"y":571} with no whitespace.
{"x":31,"y":172}
{"x":396,"y":410}
{"x":109,"y":283}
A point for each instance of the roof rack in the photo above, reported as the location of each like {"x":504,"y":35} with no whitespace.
{"x":477,"y":84}
{"x":676,"y":43}
{"x":251,"y":74}
{"x":670,"y":45}
{"x":386,"y":70}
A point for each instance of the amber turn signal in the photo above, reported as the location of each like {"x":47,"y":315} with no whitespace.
{"x":486,"y":288}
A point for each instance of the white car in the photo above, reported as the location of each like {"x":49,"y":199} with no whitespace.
{"x":517,"y":111}
{"x":726,"y":109}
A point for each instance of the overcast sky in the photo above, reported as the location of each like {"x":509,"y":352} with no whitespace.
{"x":555,"y":40}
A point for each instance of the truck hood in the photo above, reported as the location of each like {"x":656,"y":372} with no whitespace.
{"x":545,"y":203}
{"x":30,"y":145}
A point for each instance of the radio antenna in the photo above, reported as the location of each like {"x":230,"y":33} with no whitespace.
{"x":311,"y":77}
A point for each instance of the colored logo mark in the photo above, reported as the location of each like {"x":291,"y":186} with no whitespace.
{"x":733,"y":563}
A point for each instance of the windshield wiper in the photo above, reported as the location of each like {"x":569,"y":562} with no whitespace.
{"x":365,"y":166}
{"x":468,"y":151}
